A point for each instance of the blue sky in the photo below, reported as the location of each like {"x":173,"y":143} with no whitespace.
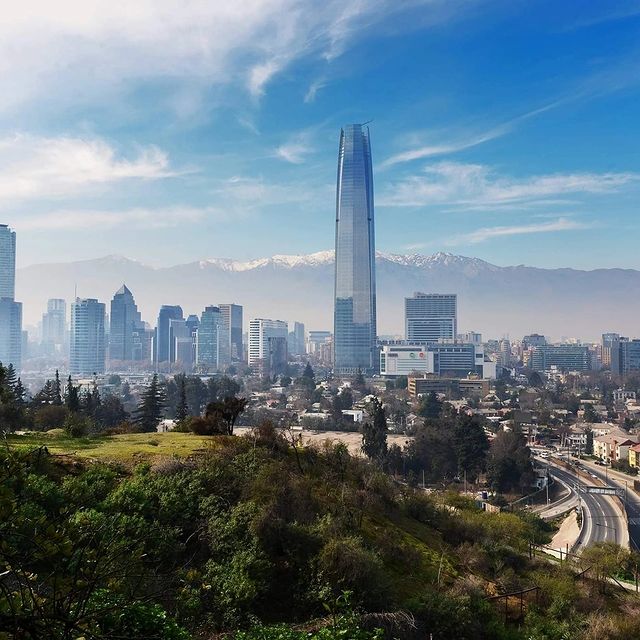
{"x":171,"y":131}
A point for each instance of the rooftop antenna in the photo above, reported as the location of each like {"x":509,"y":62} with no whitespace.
{"x":367,"y":122}
{"x":75,"y":291}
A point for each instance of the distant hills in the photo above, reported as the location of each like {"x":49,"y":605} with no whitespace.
{"x":494,"y":300}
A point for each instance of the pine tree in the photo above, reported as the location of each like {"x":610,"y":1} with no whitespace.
{"x":11,"y":376}
{"x":46,"y":395}
{"x":149,"y":411}
{"x":309,"y":373}
{"x":374,"y":433}
{"x":57,"y":390}
{"x":20,"y":393}
{"x":182,"y":410}
{"x":72,"y":397}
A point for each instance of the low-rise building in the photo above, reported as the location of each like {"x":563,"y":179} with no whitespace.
{"x":448,"y":386}
{"x":614,"y":446}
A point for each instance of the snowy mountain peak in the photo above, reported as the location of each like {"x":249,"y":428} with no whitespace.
{"x":286,"y":261}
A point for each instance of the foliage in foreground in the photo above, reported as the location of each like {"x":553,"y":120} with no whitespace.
{"x":251,"y":536}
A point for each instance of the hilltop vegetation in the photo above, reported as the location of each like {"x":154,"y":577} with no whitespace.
{"x":254,"y":532}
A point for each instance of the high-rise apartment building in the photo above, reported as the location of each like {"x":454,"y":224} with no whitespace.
{"x":126,"y":329}
{"x":430,"y":317}
{"x":54,"y":326}
{"x":297,"y":343}
{"x":567,"y":357}
{"x":231,"y":349}
{"x":10,"y":310}
{"x":208,"y":341}
{"x":87,"y":340}
{"x":355,"y":282}
{"x":266,"y":340}
{"x":7,"y":262}
{"x":164,"y":344}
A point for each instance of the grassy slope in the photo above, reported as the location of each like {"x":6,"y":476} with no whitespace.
{"x":125,"y":448}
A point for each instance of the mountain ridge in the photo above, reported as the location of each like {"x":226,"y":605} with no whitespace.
{"x":511,"y":300}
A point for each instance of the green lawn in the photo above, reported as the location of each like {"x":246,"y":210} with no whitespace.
{"x":121,"y":448}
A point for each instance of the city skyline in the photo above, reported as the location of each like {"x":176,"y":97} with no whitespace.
{"x":234,"y":130}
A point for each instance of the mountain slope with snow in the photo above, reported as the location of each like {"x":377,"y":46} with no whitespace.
{"x":494,"y":300}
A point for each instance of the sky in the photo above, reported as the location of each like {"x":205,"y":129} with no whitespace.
{"x":170,"y":131}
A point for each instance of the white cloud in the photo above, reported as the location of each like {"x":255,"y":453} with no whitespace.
{"x":467,"y":142}
{"x":313,"y":89}
{"x":488,"y":233}
{"x":296,"y":148}
{"x":70,"y":50}
{"x":103,"y":220}
{"x":476,"y":186}
{"x":34,"y":167}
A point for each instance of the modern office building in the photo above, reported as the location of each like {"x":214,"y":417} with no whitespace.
{"x":470,"y":336}
{"x":7,"y":262}
{"x":430,"y":317}
{"x":87,"y":339}
{"x":452,"y":359}
{"x":610,"y":342}
{"x":263,"y":346}
{"x":567,"y":357}
{"x":126,"y":329}
{"x":355,"y":282}
{"x":315,"y":339}
{"x":10,"y":310}
{"x":208,"y":340}
{"x":231,"y":347}
{"x":11,"y":333}
{"x":297,"y":343}
{"x":164,"y":344}
{"x":533,"y":340}
{"x":54,"y":327}
{"x":451,"y":387}
{"x":624,"y":355}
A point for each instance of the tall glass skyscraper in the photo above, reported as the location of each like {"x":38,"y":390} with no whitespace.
{"x":10,"y":310}
{"x":87,"y":348}
{"x":355,"y":276}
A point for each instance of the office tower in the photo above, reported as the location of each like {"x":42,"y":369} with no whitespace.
{"x":7,"y":262}
{"x":355,"y":281}
{"x":504,"y":352}
{"x":181,"y":334}
{"x":471,"y":337}
{"x":609,"y":345}
{"x":430,"y":317}
{"x":125,"y":328}
{"x":11,"y":333}
{"x":624,"y":354}
{"x":164,"y":348}
{"x":87,"y":348}
{"x":533,"y":340}
{"x":193,"y":322}
{"x":54,"y":326}
{"x":263,"y":346}
{"x":10,"y":310}
{"x":207,"y":354}
{"x":317,"y":338}
{"x":567,"y":357}
{"x":297,"y":344}
{"x":231,"y":349}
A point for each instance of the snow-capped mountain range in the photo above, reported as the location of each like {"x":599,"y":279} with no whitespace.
{"x":494,"y":300}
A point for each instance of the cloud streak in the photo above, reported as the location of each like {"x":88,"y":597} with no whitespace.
{"x":489,"y":233}
{"x":34,"y":167}
{"x":476,"y":186}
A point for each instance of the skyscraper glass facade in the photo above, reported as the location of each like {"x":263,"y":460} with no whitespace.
{"x":7,"y":262}
{"x":207,"y":350}
{"x":125,"y":327}
{"x":87,"y":348}
{"x":355,"y":282}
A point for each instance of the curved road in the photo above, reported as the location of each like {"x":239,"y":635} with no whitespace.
{"x":602,"y":520}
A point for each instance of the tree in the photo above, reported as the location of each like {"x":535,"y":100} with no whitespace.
{"x":72,"y":396}
{"x":509,"y":462}
{"x":57,"y":390}
{"x":590,"y":414}
{"x":309,"y":373}
{"x":111,"y":412}
{"x":471,"y":445}
{"x":182,"y":410}
{"x":430,"y":406}
{"x":149,"y":413}
{"x":226,"y":412}
{"x":374,"y":433}
{"x":535,"y":380}
{"x":359,"y":381}
{"x":46,"y":395}
{"x":588,"y":447}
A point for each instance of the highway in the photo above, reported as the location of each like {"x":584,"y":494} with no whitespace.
{"x":631,"y":502}
{"x":602,"y":520}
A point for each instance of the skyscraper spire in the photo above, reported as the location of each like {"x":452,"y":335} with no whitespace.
{"x":355,"y":281}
